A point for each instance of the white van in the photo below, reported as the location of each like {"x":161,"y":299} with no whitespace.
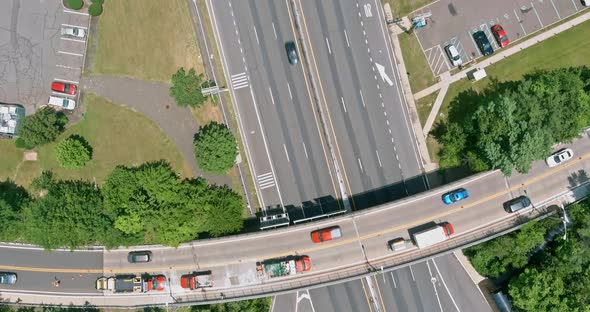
{"x":61,"y":102}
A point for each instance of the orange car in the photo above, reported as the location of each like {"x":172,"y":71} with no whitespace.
{"x":326,"y":234}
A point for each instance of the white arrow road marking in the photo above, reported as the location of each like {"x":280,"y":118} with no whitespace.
{"x":384,"y":76}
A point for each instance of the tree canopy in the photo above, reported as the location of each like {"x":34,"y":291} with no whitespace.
{"x":253,"y":305}
{"x":73,"y":152}
{"x":42,"y":127}
{"x":215,"y":148}
{"x":12,"y":200}
{"x":186,"y":88}
{"x":512,"y":124}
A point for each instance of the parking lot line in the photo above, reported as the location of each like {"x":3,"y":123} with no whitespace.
{"x":537,"y":14}
{"x":520,"y":22}
{"x":70,"y":39}
{"x":68,"y":25}
{"x":70,"y":53}
{"x":65,"y":80}
{"x":575,"y":6}
{"x":558,"y":16}
{"x":68,"y":67}
{"x":74,"y":12}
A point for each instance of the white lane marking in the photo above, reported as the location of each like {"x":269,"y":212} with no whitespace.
{"x":70,"y":53}
{"x":286,"y":153}
{"x":465,"y":269}
{"x":520,"y":22}
{"x":257,"y":41}
{"x":70,"y":39}
{"x":74,"y":12}
{"x":346,"y":36}
{"x":272,"y":306}
{"x":289,"y":88}
{"x":384,"y":76}
{"x":558,"y":16}
{"x":362,"y":98}
{"x":445,"y":284}
{"x":239,"y":81}
{"x":272,"y":98}
{"x":274,"y":30}
{"x":433,"y":281}
{"x":304,"y":296}
{"x":65,"y":80}
{"x":266,"y":180}
{"x":68,"y":67}
{"x":537,"y":14}
{"x":68,"y":25}
{"x":393,"y":279}
{"x":575,"y":6}
{"x":328,"y":45}
{"x":378,"y":158}
{"x":305,"y":150}
{"x":360,"y":164}
{"x":412,"y":272}
{"x":343,"y":105}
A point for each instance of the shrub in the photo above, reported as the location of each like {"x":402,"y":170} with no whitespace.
{"x":74,"y":4}
{"x":186,"y":88}
{"x":215,"y":148}
{"x":73,"y":152}
{"x":95,"y":9}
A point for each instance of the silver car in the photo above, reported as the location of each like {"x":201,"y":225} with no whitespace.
{"x":453,"y":55}
{"x":73,"y":32}
{"x":7,"y":278}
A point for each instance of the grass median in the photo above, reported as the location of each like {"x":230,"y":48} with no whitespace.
{"x":417,"y":68}
{"x":405,"y":7}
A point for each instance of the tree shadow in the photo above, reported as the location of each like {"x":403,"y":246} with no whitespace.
{"x":13,"y":194}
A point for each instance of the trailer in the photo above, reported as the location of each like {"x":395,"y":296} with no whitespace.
{"x":278,"y":267}
{"x":196,"y":280}
{"x":434,"y":235}
{"x":131,"y":283}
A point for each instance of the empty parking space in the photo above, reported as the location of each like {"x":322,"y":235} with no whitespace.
{"x":455,"y":22}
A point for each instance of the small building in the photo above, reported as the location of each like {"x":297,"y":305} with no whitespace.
{"x":11,"y":115}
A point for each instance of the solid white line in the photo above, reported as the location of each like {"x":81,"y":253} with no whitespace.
{"x":343,"y":105}
{"x":256,"y":34}
{"x":412,"y":272}
{"x":328,"y":45}
{"x":537,"y":14}
{"x":465,"y":269}
{"x":68,"y":25}
{"x":519,"y":21}
{"x":362,"y":99}
{"x":74,"y":12}
{"x":289,"y":88}
{"x":378,"y":158}
{"x":68,"y":67}
{"x":305,"y":150}
{"x":445,"y":284}
{"x":274,"y":30}
{"x":70,"y":53}
{"x":360,"y":164}
{"x":272,"y":306}
{"x":433,"y":280}
{"x":310,"y":302}
{"x":271,"y":97}
{"x":575,"y":6}
{"x":70,"y":39}
{"x":286,"y":153}
{"x":558,"y":16}
{"x":346,"y":36}
{"x":393,"y":279}
{"x":65,"y":80}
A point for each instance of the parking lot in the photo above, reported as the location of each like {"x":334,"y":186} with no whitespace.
{"x":454,"y":22}
{"x":34,"y":53}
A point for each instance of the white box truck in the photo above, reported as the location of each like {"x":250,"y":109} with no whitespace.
{"x":434,"y":235}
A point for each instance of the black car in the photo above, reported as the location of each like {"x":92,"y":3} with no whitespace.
{"x":483,"y":43}
{"x":7,"y":278}
{"x":139,"y":256}
{"x":291,"y":52}
{"x":517,"y":204}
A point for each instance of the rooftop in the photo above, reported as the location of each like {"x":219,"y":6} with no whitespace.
{"x":10,"y":118}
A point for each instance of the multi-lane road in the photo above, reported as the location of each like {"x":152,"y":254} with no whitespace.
{"x":335,"y":124}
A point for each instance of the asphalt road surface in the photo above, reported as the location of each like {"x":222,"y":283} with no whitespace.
{"x":439,"y":284}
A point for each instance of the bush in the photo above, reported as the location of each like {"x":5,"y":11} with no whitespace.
{"x":186,"y":88}
{"x":74,"y":4}
{"x":97,"y":1}
{"x":95,"y":9}
{"x":215,"y":148}
{"x":42,"y":127}
{"x":73,"y":152}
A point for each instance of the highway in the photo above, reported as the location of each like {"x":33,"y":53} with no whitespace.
{"x":361,"y":249}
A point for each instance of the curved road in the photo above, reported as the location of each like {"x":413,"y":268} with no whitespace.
{"x":232,"y":259}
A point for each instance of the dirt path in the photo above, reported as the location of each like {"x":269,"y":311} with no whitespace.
{"x":152,"y":100}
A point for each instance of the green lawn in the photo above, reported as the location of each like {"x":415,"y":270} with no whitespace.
{"x":145,"y":39}
{"x":404,"y":7}
{"x":417,"y":67}
{"x":424,"y":106}
{"x":118,"y":136}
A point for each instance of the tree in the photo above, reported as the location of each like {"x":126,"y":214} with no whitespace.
{"x":223,"y":213}
{"x":42,"y":127}
{"x":74,"y":4}
{"x":13,"y":198}
{"x":215,"y":148}
{"x":186,"y":88}
{"x":535,"y":290}
{"x":253,"y":305}
{"x":95,"y":9}
{"x":73,"y":152}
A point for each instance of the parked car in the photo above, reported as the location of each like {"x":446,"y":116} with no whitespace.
{"x":7,"y":278}
{"x":483,"y":43}
{"x":73,"y":31}
{"x":453,"y":55}
{"x":61,"y":102}
{"x":455,"y":196}
{"x":586,"y":2}
{"x":326,"y":234}
{"x":398,"y":244}
{"x":500,"y":35}
{"x":559,"y":157}
{"x":292,"y":52}
{"x":139,"y":256}
{"x":516,"y":204}
{"x":62,"y":87}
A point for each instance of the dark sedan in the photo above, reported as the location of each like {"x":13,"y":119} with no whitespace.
{"x":483,"y":43}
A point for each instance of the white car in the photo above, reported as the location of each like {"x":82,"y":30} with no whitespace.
{"x":73,"y":31}
{"x":453,"y":55}
{"x":559,"y":157}
{"x":586,"y":2}
{"x":61,"y":102}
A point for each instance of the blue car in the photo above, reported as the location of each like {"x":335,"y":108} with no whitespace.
{"x":455,"y":196}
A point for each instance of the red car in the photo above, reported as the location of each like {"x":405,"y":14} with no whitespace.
{"x":157,"y":283}
{"x":500,"y":35}
{"x":62,"y":87}
{"x":326,"y":234}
